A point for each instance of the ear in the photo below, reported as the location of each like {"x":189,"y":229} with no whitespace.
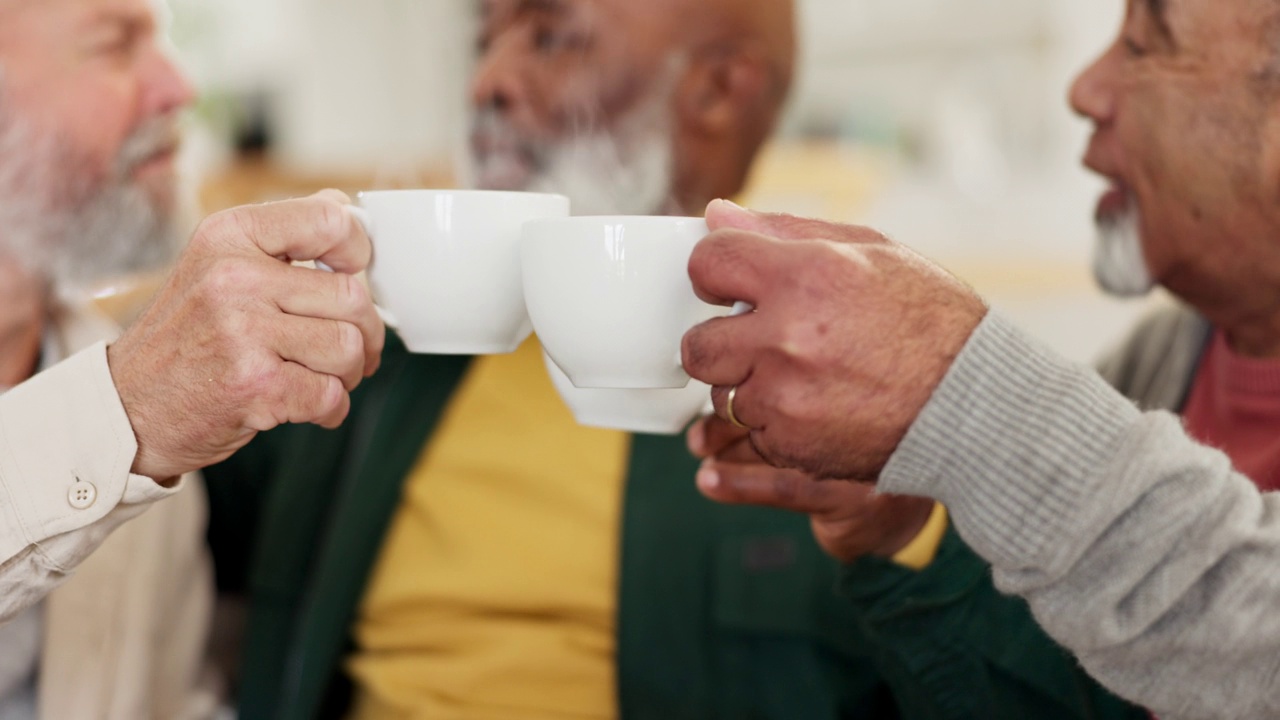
{"x":720,"y":90}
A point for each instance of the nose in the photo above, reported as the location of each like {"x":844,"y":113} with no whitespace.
{"x":1092,"y":94}
{"x":166,"y":88}
{"x":497,"y":84}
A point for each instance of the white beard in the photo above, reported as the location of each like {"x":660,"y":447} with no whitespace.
{"x":607,"y":175}
{"x":625,"y":171}
{"x":61,"y":224}
{"x":1119,"y":266}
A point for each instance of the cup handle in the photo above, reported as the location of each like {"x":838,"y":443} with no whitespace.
{"x":363,"y":217}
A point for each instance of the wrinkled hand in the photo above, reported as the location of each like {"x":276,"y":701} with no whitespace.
{"x":239,"y":341}
{"x":851,"y":335}
{"x":850,"y":521}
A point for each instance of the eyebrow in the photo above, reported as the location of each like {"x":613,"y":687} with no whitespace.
{"x":132,"y":22}
{"x":552,"y":7}
{"x":524,"y":7}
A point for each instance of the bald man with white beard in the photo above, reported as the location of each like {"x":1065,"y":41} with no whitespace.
{"x":96,"y":426}
{"x":628,"y":110}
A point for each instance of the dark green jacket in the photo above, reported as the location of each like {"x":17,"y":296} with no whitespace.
{"x":723,"y":612}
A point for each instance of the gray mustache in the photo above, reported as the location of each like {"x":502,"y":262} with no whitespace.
{"x":153,"y":137}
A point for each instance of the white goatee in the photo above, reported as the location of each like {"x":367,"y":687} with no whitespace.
{"x":1119,"y":265}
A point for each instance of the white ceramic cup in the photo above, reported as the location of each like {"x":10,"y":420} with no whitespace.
{"x":611,"y":299}
{"x":446,"y":266}
{"x":651,"y":412}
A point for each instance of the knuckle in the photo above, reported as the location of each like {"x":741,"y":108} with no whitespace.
{"x":796,"y":341}
{"x":726,"y":254}
{"x":794,"y":406}
{"x":331,"y":218}
{"x":831,"y":261}
{"x":866,"y":235}
{"x":350,"y":344}
{"x":332,"y":395}
{"x":238,"y":334}
{"x":801,"y":228}
{"x":335,"y":195}
{"x":221,"y":227}
{"x":378,"y":342}
{"x":225,"y":278}
{"x":691,"y":353}
{"x":353,"y":298}
{"x":701,"y":261}
{"x":257,"y":380}
{"x":719,"y":254}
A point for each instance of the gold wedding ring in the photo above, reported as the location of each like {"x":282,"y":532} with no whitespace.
{"x":728,"y":409}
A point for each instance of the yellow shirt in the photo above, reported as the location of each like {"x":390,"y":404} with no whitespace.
{"x":921,"y":552}
{"x":495,"y":594}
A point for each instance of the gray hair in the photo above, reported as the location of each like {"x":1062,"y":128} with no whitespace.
{"x":62,"y":219}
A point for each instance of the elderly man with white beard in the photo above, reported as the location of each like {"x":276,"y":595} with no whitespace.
{"x":236,"y":342}
{"x":1151,"y":556}
{"x":63,"y":227}
{"x":463,"y":549}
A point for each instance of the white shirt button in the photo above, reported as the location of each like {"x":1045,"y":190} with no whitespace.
{"x":82,"y":495}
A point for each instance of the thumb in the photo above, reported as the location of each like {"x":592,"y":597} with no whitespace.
{"x":728,"y":215}
{"x":724,"y":214}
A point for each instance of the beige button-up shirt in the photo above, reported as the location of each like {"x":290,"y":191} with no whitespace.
{"x":63,"y":435}
{"x":129,"y":595}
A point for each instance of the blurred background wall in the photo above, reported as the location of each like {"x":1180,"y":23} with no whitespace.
{"x":941,"y":122}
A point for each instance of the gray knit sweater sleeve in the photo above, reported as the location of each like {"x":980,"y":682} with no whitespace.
{"x":1139,"y":550}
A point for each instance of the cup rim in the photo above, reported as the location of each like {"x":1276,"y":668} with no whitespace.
{"x":608,"y":219}
{"x":465,"y":192}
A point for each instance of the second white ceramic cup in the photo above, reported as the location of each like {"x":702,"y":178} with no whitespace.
{"x":611,"y":299}
{"x":446,"y":266}
{"x":665,"y":411}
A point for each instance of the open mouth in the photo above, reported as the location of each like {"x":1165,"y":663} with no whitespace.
{"x":161,"y":159}
{"x":1116,"y":201}
{"x":502,"y":165}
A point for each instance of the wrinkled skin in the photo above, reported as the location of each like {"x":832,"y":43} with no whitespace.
{"x":239,"y":340}
{"x":851,"y":335}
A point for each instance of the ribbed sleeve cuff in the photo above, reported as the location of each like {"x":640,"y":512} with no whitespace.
{"x":1011,"y":442}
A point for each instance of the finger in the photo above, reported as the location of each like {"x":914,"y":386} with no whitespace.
{"x":319,"y":227}
{"x":332,"y":296}
{"x":721,"y":351}
{"x":710,"y":436}
{"x":723,"y":215}
{"x":328,"y":347}
{"x":742,"y":452}
{"x":298,"y":395}
{"x":743,"y":410}
{"x":767,"y":486}
{"x":733,"y":444}
{"x":730,"y":266}
{"x":713,"y":436}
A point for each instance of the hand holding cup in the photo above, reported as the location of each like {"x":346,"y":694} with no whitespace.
{"x":851,"y":335}
{"x":239,"y":340}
